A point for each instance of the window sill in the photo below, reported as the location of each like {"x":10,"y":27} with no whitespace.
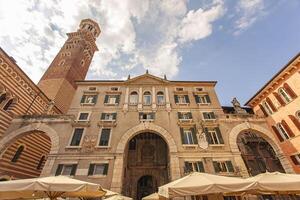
{"x":182,"y":104}
{"x":97,"y":176}
{"x":216,"y":145}
{"x":203,"y":104}
{"x":107,"y":120}
{"x":102,"y":147}
{"x":209,"y":120}
{"x":185,"y":120}
{"x":73,"y":147}
{"x":87,"y":104}
{"x":146,"y":120}
{"x":111,"y":104}
{"x":189,"y":145}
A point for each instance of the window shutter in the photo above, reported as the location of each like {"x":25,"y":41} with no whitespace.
{"x":106,"y":99}
{"x":287,"y":128}
{"x":197,"y":98}
{"x":176,"y":98}
{"x":295,"y":121}
{"x":102,"y":116}
{"x":268,"y":100}
{"x":216,"y":166}
{"x":73,"y":171}
{"x":263,"y":110}
{"x":91,"y":170}
{"x":279,"y":99}
{"x":208,"y":136}
{"x":59,"y":169}
{"x":205,"y":115}
{"x":187,"y":167}
{"x":193,"y":129}
{"x":201,"y":166}
{"x":294,"y":159}
{"x":229,"y":166}
{"x":207,"y":99}
{"x":82,"y":99}
{"x":140,"y":115}
{"x":187,"y":100}
{"x":117,"y":99}
{"x":217,"y":129}
{"x":182,"y":135}
{"x":289,"y":90}
{"x":179,"y":114}
{"x":95,"y":97}
{"x":114,"y":116}
{"x":105,"y":169}
{"x":213,"y":116}
{"x":190,"y":115}
{"x":277,"y":133}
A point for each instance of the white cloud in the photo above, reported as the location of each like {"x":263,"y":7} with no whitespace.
{"x":250,"y":11}
{"x":136,"y":35}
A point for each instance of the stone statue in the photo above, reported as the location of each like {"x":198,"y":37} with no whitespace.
{"x":237,"y":106}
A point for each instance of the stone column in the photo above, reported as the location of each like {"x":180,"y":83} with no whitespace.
{"x":239,"y":162}
{"x":285,"y":163}
{"x":140,"y":104}
{"x":174,"y":167}
{"x":168,"y":105}
{"x":125,"y":107}
{"x":116,"y":183}
{"x":153,"y":98}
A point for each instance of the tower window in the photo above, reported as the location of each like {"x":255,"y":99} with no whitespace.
{"x":77,"y":135}
{"x":284,"y":95}
{"x":82,"y":63}
{"x":18,"y":154}
{"x":3,"y":98}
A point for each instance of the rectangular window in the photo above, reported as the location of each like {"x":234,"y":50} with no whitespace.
{"x":181,"y":99}
{"x":92,"y":88}
{"x":202,"y":99}
{"x":89,"y":99}
{"x":108,"y":116}
{"x":84,"y":116}
{"x":196,"y":166}
{"x":77,"y":135}
{"x":213,"y":135}
{"x":104,"y":137}
{"x":223,"y":166}
{"x":160,"y":99}
{"x":147,"y":99}
{"x":179,"y":89}
{"x":188,"y":136}
{"x":147,"y":116}
{"x":282,"y":131}
{"x":114,"y":89}
{"x":185,"y":116}
{"x":296,"y":159}
{"x":133,"y":99}
{"x":98,"y":169}
{"x":66,"y":169}
{"x":112,"y":99}
{"x":209,"y":115}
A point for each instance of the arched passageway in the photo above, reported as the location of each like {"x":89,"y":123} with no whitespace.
{"x":146,"y":165}
{"x":257,"y":153}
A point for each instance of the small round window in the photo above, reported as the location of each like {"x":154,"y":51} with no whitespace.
{"x":298,"y":114}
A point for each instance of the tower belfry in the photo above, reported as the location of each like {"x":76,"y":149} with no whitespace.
{"x":70,"y":64}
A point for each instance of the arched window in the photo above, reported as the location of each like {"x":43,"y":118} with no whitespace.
{"x":298,"y":114}
{"x":267,"y":107}
{"x":133,"y":99}
{"x":286,"y":97}
{"x":160,"y":98}
{"x":18,"y":154}
{"x":61,"y":63}
{"x":283,"y":132}
{"x":3,"y":98}
{"x":41,"y":162}
{"x":8,"y":104}
{"x":147,"y":98}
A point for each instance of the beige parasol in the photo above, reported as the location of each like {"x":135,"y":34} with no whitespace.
{"x":51,"y":187}
{"x":202,"y":183}
{"x":153,"y":196}
{"x":118,"y":197}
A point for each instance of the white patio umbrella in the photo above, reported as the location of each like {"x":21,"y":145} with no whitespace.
{"x":118,"y":197}
{"x":202,"y":183}
{"x":153,"y":196}
{"x":49,"y":187}
{"x":276,"y":182}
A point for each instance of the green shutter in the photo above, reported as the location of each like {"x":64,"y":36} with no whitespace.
{"x":106,"y":99}
{"x":179,"y":115}
{"x":187,"y":100}
{"x":176,"y":98}
{"x":208,"y":136}
{"x":205,"y":115}
{"x":207,"y":99}
{"x":95,"y":97}
{"x":117,"y":99}
{"x":229,"y":166}
{"x":216,"y":166}
{"x":182,"y":136}
{"x":105,"y":169}
{"x":217,"y":129}
{"x":114,"y":116}
{"x":91,"y":170}
{"x":73,"y":171}
{"x":213,"y":116}
{"x":201,"y":166}
{"x":102,"y":116}
{"x":82,"y":99}
{"x":193,"y":129}
{"x":59,"y":169}
{"x":190,"y":115}
{"x":197,"y":98}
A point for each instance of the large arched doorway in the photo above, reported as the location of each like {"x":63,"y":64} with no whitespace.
{"x":257,"y":153}
{"x":146,"y":165}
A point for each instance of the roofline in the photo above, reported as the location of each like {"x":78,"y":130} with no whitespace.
{"x":123,"y":81}
{"x":27,"y":77}
{"x":265,"y":85}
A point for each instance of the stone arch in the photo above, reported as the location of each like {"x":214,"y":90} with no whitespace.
{"x":9,"y":138}
{"x":146,"y":126}
{"x":265,"y":134}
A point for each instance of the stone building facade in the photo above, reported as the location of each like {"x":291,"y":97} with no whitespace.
{"x":147,"y":131}
{"x":279,"y":102}
{"x":20,"y":96}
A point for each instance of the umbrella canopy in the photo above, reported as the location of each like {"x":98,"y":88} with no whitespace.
{"x":201,"y":183}
{"x":118,"y":197}
{"x":276,"y":182}
{"x":153,"y":196}
{"x":52,"y":187}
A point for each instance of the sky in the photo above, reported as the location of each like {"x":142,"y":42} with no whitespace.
{"x":239,"y":43}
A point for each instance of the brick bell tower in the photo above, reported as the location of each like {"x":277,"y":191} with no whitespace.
{"x":70,"y":64}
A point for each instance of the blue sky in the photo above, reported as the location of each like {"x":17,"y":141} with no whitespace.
{"x":239,"y":43}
